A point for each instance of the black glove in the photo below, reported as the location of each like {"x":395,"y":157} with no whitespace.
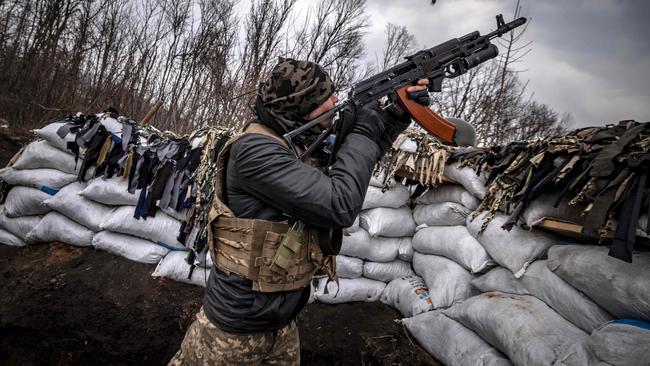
{"x":399,"y":119}
{"x":370,"y":121}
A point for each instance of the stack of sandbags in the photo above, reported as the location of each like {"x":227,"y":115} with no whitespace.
{"x":36,"y":176}
{"x":376,"y":250}
{"x":446,"y":255}
{"x":560,"y":310}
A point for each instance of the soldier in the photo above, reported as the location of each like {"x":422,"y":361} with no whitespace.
{"x":263,"y":265}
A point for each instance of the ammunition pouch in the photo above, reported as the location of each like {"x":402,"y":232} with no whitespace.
{"x":248,"y":248}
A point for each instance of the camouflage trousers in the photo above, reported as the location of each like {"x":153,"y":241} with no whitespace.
{"x":205,"y":344}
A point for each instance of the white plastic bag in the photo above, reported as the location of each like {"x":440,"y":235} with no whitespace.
{"x":18,"y":226}
{"x":129,"y":247}
{"x":455,"y":243}
{"x":409,"y":295}
{"x":622,"y":342}
{"x":48,"y":133}
{"x":161,"y":229}
{"x":349,"y":290}
{"x":525,"y":329}
{"x":174,"y":266}
{"x":36,"y":178}
{"x":395,"y":197}
{"x":514,"y":249}
{"x":540,"y":282}
{"x":452,"y":343}
{"x":26,"y":201}
{"x":111,"y":191}
{"x":86,"y":212}
{"x":447,"y":281}
{"x":387,"y":271}
{"x":56,"y":227}
{"x":621,"y":288}
{"x":388,"y":222}
{"x":8,"y":238}
{"x":448,"y":193}
{"x":466,"y":177}
{"x":41,"y":154}
{"x":440,"y":214}
{"x":405,"y":251}
{"x":359,"y":244}
{"x":349,"y":267}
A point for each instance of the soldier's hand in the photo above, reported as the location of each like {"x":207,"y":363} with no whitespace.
{"x":419,"y":92}
{"x":371,"y":121}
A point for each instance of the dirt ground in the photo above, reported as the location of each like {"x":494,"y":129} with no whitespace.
{"x":63,"y":305}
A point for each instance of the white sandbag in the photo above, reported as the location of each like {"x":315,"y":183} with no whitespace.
{"x":447,"y":281}
{"x":388,"y":222}
{"x":466,"y":177}
{"x":26,"y":201}
{"x":18,"y":226}
{"x":161,"y":229}
{"x":48,"y":133}
{"x":56,"y":227}
{"x":455,"y":243}
{"x":129,"y":247}
{"x":178,"y":215}
{"x":204,"y":259}
{"x":174,"y":266}
{"x":540,"y":282}
{"x":451,"y":342}
{"x":514,"y":249}
{"x":349,"y":290}
{"x":409,"y":295}
{"x":349,"y":267}
{"x":36,"y":178}
{"x":621,"y":288}
{"x":387,"y":271}
{"x":41,"y":154}
{"x":525,"y":329}
{"x":111,"y":124}
{"x":405,"y":251}
{"x":542,"y":207}
{"x":448,"y":193}
{"x":377,"y":179}
{"x":622,"y":342}
{"x":10,"y":239}
{"x":355,"y":226}
{"x":395,"y":197}
{"x":359,"y":244}
{"x":84,"y":211}
{"x":111,"y":191}
{"x":441,"y":214}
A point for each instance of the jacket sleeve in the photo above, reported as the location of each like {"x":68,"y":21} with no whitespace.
{"x":272,"y":173}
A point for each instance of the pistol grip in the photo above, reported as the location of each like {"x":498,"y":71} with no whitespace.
{"x":425,"y":117}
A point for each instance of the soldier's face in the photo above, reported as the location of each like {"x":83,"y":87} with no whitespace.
{"x":326,"y":106}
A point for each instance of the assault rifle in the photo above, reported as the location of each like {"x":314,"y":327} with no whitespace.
{"x":446,"y":60}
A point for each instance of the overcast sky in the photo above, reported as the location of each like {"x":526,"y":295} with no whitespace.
{"x":590,"y":58}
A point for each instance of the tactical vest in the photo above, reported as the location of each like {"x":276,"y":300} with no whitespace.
{"x":247,"y":247}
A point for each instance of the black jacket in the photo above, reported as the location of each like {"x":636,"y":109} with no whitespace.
{"x":265,"y":180}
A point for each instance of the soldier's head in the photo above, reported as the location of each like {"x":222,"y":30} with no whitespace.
{"x":296,"y":92}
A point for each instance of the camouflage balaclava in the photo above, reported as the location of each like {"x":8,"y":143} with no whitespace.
{"x":291,"y":91}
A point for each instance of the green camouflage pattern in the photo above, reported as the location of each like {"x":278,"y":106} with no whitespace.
{"x":294,"y":89}
{"x":205,"y":344}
